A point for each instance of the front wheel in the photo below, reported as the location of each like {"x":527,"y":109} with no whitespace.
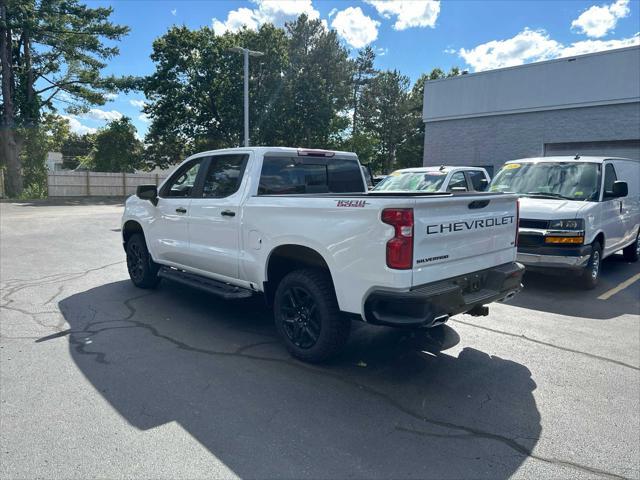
{"x":632,"y":252}
{"x":591,"y":273}
{"x":307,"y":316}
{"x":142,"y":270}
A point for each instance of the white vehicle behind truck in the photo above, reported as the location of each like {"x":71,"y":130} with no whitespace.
{"x":436,"y":179}
{"x":574,"y":212}
{"x":299,"y":227}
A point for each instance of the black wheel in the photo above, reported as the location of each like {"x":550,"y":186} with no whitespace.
{"x":142,"y":270}
{"x":632,"y":252}
{"x":591,"y":273}
{"x":307,"y":316}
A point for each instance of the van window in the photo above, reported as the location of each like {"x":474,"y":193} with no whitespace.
{"x":281,"y":176}
{"x":609,"y":178}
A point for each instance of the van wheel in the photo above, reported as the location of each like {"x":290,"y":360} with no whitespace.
{"x":632,"y":252}
{"x":307,"y":316}
{"x":591,"y":273}
{"x":142,"y":270}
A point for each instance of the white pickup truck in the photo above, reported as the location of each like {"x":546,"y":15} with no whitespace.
{"x":299,"y":227}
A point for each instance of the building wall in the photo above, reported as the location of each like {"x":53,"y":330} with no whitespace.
{"x":492,"y":140}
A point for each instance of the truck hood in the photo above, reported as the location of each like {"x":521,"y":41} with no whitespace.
{"x":549,"y":209}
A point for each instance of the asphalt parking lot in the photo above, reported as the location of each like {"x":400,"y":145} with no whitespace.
{"x":100,"y":379}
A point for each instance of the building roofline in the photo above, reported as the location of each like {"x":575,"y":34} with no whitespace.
{"x":535,"y":64}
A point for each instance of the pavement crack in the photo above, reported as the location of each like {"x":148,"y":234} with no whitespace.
{"x":547,"y":344}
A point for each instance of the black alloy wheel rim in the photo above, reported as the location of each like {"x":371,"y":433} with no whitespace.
{"x":135,"y":262}
{"x":300,"y":319}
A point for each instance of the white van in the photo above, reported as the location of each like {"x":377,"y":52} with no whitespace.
{"x":574,"y":211}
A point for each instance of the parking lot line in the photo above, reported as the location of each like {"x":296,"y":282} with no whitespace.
{"x":610,"y":293}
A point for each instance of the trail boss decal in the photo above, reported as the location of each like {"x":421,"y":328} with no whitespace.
{"x":469,"y":225}
{"x":351,"y":203}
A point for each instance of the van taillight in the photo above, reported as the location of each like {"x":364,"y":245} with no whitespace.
{"x":400,"y":247}
{"x":517,"y":220}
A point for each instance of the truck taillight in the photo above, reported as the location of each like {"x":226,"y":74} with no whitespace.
{"x":517,"y":220}
{"x":400,"y":247}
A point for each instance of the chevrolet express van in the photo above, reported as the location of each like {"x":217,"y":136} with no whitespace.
{"x":574,"y":211}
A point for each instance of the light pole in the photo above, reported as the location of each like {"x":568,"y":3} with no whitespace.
{"x":247,"y":53}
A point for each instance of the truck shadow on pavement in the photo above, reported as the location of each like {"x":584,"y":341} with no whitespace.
{"x":562,"y":294}
{"x":382,"y":409}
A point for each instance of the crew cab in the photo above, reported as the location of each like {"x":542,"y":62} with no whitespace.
{"x":436,"y":179}
{"x":299,"y":227}
{"x":574,"y":212}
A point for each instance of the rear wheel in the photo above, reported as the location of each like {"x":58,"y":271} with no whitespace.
{"x":591,"y":273}
{"x":307,"y":316}
{"x":632,"y":252}
{"x":142,"y":270}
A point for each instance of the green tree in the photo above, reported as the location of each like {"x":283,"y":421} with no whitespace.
{"x":49,"y":48}
{"x":76,"y":149}
{"x":317,"y":84}
{"x":363,"y":73}
{"x":386,"y":114}
{"x":116,"y":148}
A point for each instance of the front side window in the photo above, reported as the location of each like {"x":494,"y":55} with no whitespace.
{"x":281,"y":176}
{"x":224,"y":176}
{"x":182,"y":183}
{"x":563,"y":180}
{"x":609,"y":179}
{"x":457,"y":181}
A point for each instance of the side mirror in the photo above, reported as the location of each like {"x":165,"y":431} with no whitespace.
{"x":458,"y":189}
{"x":148,"y":192}
{"x":484,"y":183}
{"x":620,"y":189}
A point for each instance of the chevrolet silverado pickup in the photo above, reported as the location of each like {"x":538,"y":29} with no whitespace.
{"x":299,"y":227}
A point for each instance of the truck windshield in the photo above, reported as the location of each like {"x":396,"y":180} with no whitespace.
{"x":562,"y":180}
{"x":412,"y":182}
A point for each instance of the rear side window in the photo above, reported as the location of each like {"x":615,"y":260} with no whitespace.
{"x":281,"y":176}
{"x":476,"y":178}
{"x":224,"y":175}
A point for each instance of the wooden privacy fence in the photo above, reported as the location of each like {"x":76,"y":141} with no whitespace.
{"x":98,"y":184}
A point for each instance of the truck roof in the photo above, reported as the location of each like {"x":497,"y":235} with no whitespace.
{"x":262,"y":150}
{"x":569,"y":158}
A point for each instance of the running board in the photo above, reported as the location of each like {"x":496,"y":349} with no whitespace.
{"x":215,"y":287}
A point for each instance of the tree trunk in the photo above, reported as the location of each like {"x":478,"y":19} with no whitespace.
{"x":9,"y":148}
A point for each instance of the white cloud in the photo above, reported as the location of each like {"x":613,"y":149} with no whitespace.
{"x":143,"y":117}
{"x":381,"y":51}
{"x":269,"y":11}
{"x":408,"y":13}
{"x":599,"y":20}
{"x":110,"y":96}
{"x":332,"y":12}
{"x":97,"y":114}
{"x":77,"y":127}
{"x":533,"y":46}
{"x":174,"y":12}
{"x":137,"y":103}
{"x":357,"y":29}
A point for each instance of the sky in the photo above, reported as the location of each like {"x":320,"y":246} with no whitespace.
{"x":411,"y":36}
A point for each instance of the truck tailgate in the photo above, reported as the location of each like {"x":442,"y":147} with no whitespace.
{"x":462,"y":234}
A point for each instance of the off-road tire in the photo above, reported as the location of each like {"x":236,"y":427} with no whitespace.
{"x":591,"y":274}
{"x":631,"y":252}
{"x":142,"y":270}
{"x":318,"y":307}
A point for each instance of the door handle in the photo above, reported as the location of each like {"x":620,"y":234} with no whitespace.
{"x":181,"y":210}
{"x":228,"y":213}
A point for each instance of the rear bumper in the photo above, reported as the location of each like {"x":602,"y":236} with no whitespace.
{"x":573,"y":258}
{"x":431,"y":304}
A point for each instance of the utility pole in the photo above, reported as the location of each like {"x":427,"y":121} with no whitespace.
{"x":246,"y":53}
